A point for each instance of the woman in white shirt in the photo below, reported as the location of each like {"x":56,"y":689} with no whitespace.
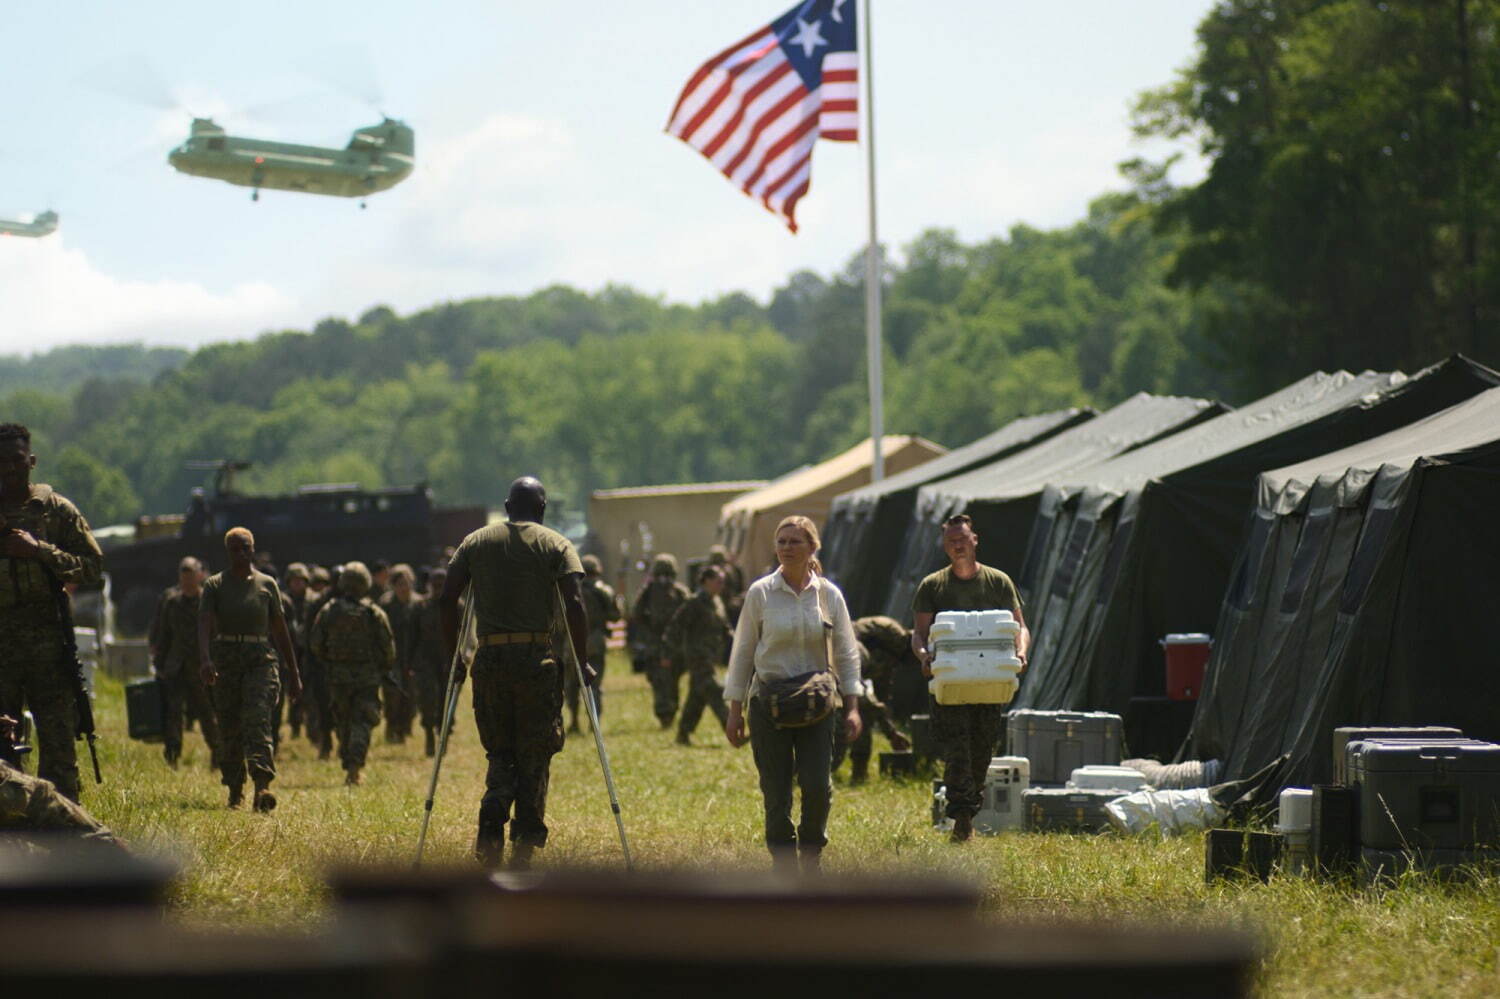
{"x":781,"y":635}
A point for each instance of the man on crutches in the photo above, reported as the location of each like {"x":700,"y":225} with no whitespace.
{"x":512,"y":570}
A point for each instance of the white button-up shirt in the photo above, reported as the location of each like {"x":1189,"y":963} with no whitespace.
{"x":780,"y":635}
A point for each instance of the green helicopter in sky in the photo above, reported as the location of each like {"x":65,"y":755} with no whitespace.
{"x":44,"y":224}
{"x":377,"y":158}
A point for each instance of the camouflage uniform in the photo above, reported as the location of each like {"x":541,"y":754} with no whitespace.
{"x":658,"y":600}
{"x":514,"y":569}
{"x":298,"y":622}
{"x":696,"y":637}
{"x":734,"y":583}
{"x":603,"y":608}
{"x":315,"y":694}
{"x":398,"y":700}
{"x":352,"y":638}
{"x":31,"y":626}
{"x":32,"y":805}
{"x":875,"y":714}
{"x":174,"y":642}
{"x":246,"y":690}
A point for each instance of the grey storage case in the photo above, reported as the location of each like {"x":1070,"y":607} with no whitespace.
{"x":1363,"y":733}
{"x":1057,"y":809}
{"x":1441,"y":794}
{"x":1059,"y":742}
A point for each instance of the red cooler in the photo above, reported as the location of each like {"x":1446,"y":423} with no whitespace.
{"x":1187,"y":657}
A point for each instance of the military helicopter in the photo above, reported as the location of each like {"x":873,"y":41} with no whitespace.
{"x":377,"y":158}
{"x":44,"y":224}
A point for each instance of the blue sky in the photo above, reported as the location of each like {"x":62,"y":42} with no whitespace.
{"x":540,"y":151}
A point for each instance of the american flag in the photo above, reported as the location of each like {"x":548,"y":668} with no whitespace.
{"x":755,"y":109}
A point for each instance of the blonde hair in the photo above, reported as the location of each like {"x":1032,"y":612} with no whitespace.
{"x":239,"y":532}
{"x":807,"y":527}
{"x":403,"y":571}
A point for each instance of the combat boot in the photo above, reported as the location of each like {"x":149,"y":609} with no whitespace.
{"x":859,"y":771}
{"x":431,"y":747}
{"x":352,"y":778}
{"x":172,"y":754}
{"x":236,"y":795}
{"x":683,"y":739}
{"x":963,"y":828}
{"x":520,"y":856}
{"x":265,"y":801}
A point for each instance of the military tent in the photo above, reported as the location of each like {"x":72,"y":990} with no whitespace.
{"x":1365,"y":593}
{"x":747,"y":524}
{"x":861,"y":540}
{"x":1002,"y":496}
{"x":1144,"y":545}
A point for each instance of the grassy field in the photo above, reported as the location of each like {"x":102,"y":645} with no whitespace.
{"x":699,"y":807}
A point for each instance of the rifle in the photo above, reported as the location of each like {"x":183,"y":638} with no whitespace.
{"x":73,"y":668}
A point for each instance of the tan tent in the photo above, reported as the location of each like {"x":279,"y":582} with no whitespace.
{"x":747,"y":523}
{"x":631,"y":525}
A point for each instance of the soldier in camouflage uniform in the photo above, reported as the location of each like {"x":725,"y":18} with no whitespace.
{"x":32,"y":805}
{"x":603,"y":608}
{"x":697,"y":637}
{"x":427,"y":670}
{"x":517,"y":572}
{"x":319,"y":703}
{"x":872,"y":707}
{"x":174,"y":653}
{"x":400,"y":606}
{"x":658,"y":600}
{"x":352,"y":639}
{"x":239,"y":617}
{"x":298,"y":592}
{"x":44,"y":543}
{"x":734,"y":583}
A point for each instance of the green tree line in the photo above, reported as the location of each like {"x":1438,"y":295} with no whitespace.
{"x":1349,"y":219}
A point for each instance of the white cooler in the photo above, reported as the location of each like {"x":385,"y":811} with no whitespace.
{"x":1294,"y":820}
{"x":1006,"y":780}
{"x":1099,"y":777}
{"x":974,"y":657}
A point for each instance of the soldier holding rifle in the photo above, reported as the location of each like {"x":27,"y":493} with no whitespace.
{"x":44,"y":543}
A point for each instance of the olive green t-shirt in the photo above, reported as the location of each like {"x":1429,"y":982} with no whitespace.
{"x":990,"y":589}
{"x":513,"y":569}
{"x":242,"y":606}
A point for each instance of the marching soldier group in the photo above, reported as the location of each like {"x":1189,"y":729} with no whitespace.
{"x":342,"y":650}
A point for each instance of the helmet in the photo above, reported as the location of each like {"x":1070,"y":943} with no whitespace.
{"x":592,"y":566}
{"x":664,"y":565}
{"x":298,"y":571}
{"x":355,"y":579}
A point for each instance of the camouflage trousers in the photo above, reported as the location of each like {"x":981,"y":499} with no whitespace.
{"x":184,"y":690}
{"x":317,"y":704}
{"x":965,"y":736}
{"x":518,"y":709}
{"x":399,"y":708}
{"x":704,"y":691}
{"x":32,"y":805}
{"x":245,"y":696}
{"x":664,"y":692}
{"x":428,"y":687}
{"x":596,"y":653}
{"x":31,"y":675}
{"x":356,"y":712}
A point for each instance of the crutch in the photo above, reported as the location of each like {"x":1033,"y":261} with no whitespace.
{"x":450,"y":707}
{"x":586,"y":690}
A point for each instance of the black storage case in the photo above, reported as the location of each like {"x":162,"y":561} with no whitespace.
{"x":1427,"y":794}
{"x":1335,"y":830}
{"x":1059,"y":742}
{"x":1056,"y":809}
{"x":145,"y":709}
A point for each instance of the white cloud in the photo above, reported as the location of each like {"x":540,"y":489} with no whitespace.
{"x":51,"y":295}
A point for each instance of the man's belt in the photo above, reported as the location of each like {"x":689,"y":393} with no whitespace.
{"x":247,"y":639}
{"x":516,"y":638}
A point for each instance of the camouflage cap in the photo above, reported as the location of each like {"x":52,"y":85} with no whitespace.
{"x":664,"y":565}
{"x":592,"y":566}
{"x":355,"y":579}
{"x":298,"y":571}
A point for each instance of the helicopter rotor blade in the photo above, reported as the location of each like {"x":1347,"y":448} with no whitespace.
{"x":135,"y":80}
{"x":348,"y":70}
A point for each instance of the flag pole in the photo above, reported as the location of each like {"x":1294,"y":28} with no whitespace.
{"x":873,"y":351}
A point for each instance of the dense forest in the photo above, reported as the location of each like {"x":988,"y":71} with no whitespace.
{"x":1348,"y":219}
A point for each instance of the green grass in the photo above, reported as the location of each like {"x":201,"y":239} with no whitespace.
{"x":700,"y":807}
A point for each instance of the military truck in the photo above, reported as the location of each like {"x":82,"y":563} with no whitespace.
{"x":327,"y":524}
